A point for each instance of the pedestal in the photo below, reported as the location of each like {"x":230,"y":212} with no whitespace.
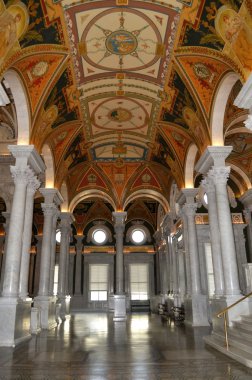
{"x":64,"y":302}
{"x":15,"y":317}
{"x":219,"y":304}
{"x":47,"y":309}
{"x":196,"y":311}
{"x":119,"y":307}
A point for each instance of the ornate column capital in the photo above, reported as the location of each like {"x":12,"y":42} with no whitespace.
{"x":21,"y":175}
{"x":213,"y":156}
{"x":66,"y":219}
{"x":208,"y":185}
{"x":79,"y":243}
{"x":219,"y":175}
{"x":27,"y":155}
{"x":247,"y":216}
{"x":49,"y":209}
{"x":190,"y":209}
{"x":51,"y":196}
{"x":119,"y":218}
{"x":33,"y":185}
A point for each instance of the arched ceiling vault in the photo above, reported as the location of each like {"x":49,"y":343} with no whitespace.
{"x":120,"y":89}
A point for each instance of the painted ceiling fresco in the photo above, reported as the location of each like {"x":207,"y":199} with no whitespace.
{"x":120,"y":89}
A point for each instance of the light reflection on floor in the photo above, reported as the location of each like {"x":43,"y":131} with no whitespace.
{"x":92,"y":347}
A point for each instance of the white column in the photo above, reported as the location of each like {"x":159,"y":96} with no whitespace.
{"x":6,"y":227}
{"x":78,"y":265}
{"x":120,"y":298}
{"x":119,"y":220}
{"x":71,"y":271}
{"x":21,"y":177}
{"x":190,"y":209}
{"x":65,"y":228}
{"x":187,"y":255}
{"x":246,"y":199}
{"x":209,"y":187}
{"x":49,"y":211}
{"x":53,"y":252}
{"x":219,"y":175}
{"x":33,"y":185}
{"x":37,"y":264}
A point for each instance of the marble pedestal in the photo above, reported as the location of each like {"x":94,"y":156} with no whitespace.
{"x":111,"y":303}
{"x":119,"y":307}
{"x":64,"y":309}
{"x":35,"y":321}
{"x":196,"y":310}
{"x":15,"y":318}
{"x":220,"y":303}
{"x":47,"y":310}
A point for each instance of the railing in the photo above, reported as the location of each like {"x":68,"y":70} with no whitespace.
{"x":224,"y":312}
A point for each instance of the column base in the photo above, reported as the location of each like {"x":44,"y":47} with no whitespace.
{"x":47,"y":310}
{"x":15,"y":318}
{"x":220,"y":303}
{"x":196,"y":310}
{"x":111,"y":303}
{"x":119,"y":308}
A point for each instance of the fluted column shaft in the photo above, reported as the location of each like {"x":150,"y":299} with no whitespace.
{"x":219,"y":175}
{"x":33,"y":185}
{"x":78,"y":265}
{"x":21,"y":177}
{"x":49,"y":210}
{"x":6,"y":227}
{"x":209,"y":187}
{"x":189,"y":209}
{"x":64,"y":252}
{"x":119,"y":219}
{"x":53,"y":252}
{"x":247,"y":216}
{"x":187,"y":255}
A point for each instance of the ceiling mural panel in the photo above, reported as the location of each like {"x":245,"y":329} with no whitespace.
{"x":140,"y":40}
{"x":119,"y":89}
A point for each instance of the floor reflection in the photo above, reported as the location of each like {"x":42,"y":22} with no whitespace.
{"x":91,"y":346}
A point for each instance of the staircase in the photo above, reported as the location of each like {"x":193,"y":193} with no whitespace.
{"x":239,"y":339}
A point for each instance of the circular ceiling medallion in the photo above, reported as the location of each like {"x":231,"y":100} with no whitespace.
{"x":126,"y":114}
{"x":124,"y":40}
{"x":121,"y":42}
{"x":120,"y":115}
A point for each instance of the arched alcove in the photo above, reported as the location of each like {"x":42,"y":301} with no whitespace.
{"x":87,"y":194}
{"x":152,"y":194}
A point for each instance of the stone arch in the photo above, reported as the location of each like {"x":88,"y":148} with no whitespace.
{"x":49,"y":162}
{"x":87,"y":194}
{"x":189,"y":166}
{"x":152,"y":194}
{"x":64,"y":193}
{"x":219,"y":107}
{"x":22,"y":106}
{"x":242,"y":175}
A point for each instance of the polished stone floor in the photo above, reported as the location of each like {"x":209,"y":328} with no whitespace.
{"x":91,"y":347}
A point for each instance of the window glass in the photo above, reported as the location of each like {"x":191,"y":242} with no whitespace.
{"x":138,"y":236}
{"x":99,"y":236}
{"x":139,"y":283}
{"x":98,"y":282}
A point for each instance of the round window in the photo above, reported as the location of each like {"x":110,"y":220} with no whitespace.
{"x":99,"y":236}
{"x":58,"y":236}
{"x":138,"y":236}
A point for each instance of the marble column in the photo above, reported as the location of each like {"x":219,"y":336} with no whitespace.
{"x":6,"y":227}
{"x":71,"y":270}
{"x":219,"y":175}
{"x":32,"y":187}
{"x":39,"y":239}
{"x":14,"y":312}
{"x":79,"y":246}
{"x":65,"y":228}
{"x":196,"y":312}
{"x":246,"y":199}
{"x":44,"y":301}
{"x":120,"y":299}
{"x":187,"y":256}
{"x":53,"y":252}
{"x":209,"y":187}
{"x":78,"y":299}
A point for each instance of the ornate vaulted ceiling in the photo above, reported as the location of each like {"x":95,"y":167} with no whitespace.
{"x":120,"y":89}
